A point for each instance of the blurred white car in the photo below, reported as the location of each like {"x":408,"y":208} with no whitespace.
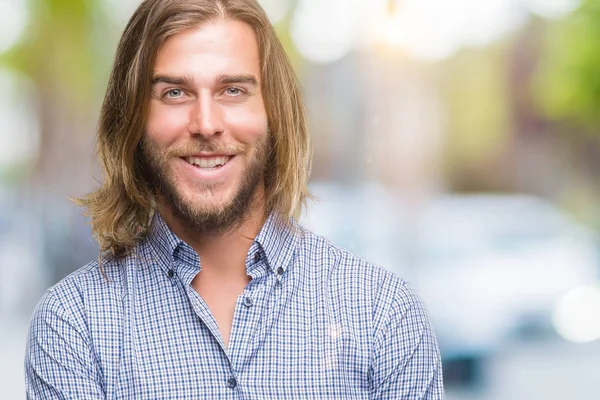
{"x":490,"y":263}
{"x":487,"y":267}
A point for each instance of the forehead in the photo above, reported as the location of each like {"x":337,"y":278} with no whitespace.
{"x":213,"y":48}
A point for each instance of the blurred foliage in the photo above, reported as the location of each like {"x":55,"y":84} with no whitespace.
{"x":476,"y":93}
{"x":64,"y":50}
{"x":567,"y":86}
{"x":66,"y":53}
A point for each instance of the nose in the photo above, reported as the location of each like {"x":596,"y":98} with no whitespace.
{"x":206,"y":117}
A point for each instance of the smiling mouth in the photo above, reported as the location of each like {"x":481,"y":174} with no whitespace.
{"x":208,"y":163}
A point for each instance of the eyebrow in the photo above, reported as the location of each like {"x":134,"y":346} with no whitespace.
{"x":172,"y":80}
{"x":223,"y":79}
{"x":228,"y":79}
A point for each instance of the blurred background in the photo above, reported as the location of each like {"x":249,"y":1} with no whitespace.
{"x":457,"y":143}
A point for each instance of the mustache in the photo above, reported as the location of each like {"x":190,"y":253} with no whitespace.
{"x":205,"y":147}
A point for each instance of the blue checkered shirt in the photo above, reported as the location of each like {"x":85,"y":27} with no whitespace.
{"x":315,"y":322}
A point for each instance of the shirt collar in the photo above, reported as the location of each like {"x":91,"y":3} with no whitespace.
{"x":165,"y":243}
{"x":276,"y":243}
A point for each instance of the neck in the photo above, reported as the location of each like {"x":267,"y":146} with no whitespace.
{"x":225,"y":253}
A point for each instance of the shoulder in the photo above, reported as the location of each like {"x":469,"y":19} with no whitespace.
{"x":60,"y":352}
{"x":83,"y":289}
{"x":337,"y":261}
{"x":71,"y":288}
{"x":353,"y":278}
{"x":91,"y":278}
{"x":60,"y":315}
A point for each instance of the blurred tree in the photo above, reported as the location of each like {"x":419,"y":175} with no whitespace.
{"x":567,"y":92}
{"x":567,"y":85}
{"x":66,"y":53}
{"x":476,"y":92}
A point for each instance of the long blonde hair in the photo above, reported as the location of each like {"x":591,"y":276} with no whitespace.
{"x":122,"y":208}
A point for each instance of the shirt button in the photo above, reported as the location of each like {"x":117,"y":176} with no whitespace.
{"x":170,"y":273}
{"x":231,"y":382}
{"x":248,"y":301}
{"x":280,"y":271}
{"x":257,"y":256}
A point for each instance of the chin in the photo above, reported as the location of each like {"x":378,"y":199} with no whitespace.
{"x":209,"y":199}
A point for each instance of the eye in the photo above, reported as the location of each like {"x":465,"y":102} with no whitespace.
{"x":174,"y":93}
{"x":233,"y":91}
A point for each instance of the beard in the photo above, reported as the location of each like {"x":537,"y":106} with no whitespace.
{"x":194,"y":214}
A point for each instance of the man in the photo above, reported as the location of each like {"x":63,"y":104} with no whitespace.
{"x":206,"y":286}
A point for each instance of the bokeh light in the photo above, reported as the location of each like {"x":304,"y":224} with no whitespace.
{"x":120,"y":10}
{"x":324,"y":31}
{"x":20,"y":130}
{"x":435,"y":29}
{"x":276,"y":9}
{"x":552,"y":8}
{"x":577,"y":316}
{"x":13,"y":21}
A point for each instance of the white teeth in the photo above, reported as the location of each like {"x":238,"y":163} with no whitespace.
{"x":208,"y":162}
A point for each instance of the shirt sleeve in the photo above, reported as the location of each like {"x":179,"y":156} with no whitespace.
{"x":59,"y":361}
{"x":407,"y":363}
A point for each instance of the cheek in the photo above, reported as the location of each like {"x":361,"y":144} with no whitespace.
{"x":249,"y":127}
{"x":164,"y":127}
